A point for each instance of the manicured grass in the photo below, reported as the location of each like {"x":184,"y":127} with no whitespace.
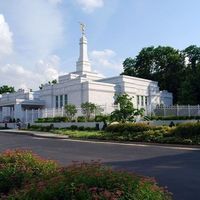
{"x":80,"y":134}
{"x":188,"y":133}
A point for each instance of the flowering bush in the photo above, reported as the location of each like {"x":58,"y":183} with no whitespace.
{"x":44,"y":180}
{"x":18,"y":168}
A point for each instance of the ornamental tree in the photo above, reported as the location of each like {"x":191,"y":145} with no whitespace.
{"x":126,"y":110}
{"x":6,"y":88}
{"x":88,"y":109}
{"x":70,"y":111}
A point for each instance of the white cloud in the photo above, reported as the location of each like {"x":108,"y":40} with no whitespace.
{"x":38,"y":28}
{"x":106,"y":62}
{"x":44,"y":71}
{"x":55,"y":2}
{"x":37,"y":32}
{"x":6,"y":42}
{"x":90,"y":5}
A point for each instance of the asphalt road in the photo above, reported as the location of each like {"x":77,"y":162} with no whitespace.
{"x":176,"y":168}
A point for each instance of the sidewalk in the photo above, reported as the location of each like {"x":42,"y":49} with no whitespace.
{"x":34,"y":133}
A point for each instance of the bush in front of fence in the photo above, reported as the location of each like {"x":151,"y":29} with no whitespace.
{"x":188,"y":133}
{"x":128,"y":127}
{"x":187,"y":130}
{"x":51,"y":128}
{"x":52,"y":120}
{"x":140,"y":132}
{"x":173,"y":118}
{"x":42,"y":179}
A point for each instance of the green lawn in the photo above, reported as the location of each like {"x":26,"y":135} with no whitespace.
{"x":80,"y":134}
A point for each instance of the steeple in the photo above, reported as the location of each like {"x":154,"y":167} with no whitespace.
{"x":83,"y":63}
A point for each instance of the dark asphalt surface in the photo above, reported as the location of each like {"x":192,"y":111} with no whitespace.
{"x":178,"y":169}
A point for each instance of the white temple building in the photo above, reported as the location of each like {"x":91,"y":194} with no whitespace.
{"x":80,"y":86}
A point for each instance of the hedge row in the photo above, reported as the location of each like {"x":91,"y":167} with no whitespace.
{"x":25,"y":176}
{"x":173,"y":118}
{"x":98,"y":118}
{"x":188,"y":133}
{"x":51,"y":127}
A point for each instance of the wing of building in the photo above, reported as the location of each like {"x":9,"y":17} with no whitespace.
{"x":84,"y":85}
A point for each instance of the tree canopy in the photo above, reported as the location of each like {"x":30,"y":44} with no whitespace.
{"x":70,"y":111}
{"x":176,"y":71}
{"x":126,"y":110}
{"x":6,"y":88}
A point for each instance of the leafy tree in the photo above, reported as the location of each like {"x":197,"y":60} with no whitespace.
{"x":6,"y":88}
{"x":163,"y":64}
{"x":53,"y":82}
{"x":70,"y":111}
{"x":88,"y":109}
{"x":192,"y":53}
{"x":126,"y":111}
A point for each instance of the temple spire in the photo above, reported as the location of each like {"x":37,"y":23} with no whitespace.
{"x":83,"y":63}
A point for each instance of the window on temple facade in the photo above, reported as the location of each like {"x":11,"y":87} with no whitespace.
{"x":142,"y":101}
{"x":56,"y":101}
{"x":146,"y":101}
{"x":66,"y":99}
{"x":138,"y":100}
{"x":61,"y":101}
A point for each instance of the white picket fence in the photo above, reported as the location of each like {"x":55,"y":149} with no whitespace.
{"x":177,"y":110}
{"x":29,"y":116}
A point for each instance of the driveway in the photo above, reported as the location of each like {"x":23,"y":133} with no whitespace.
{"x":177,"y":168}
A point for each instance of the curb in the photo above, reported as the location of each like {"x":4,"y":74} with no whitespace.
{"x":34,"y":134}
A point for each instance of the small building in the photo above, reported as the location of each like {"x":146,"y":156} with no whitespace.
{"x":80,"y":86}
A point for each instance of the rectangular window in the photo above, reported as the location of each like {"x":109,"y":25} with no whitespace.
{"x":66,"y":99}
{"x":146,"y":101}
{"x":61,"y":101}
{"x":138,"y":100}
{"x":142,"y":101}
{"x":56,"y":101}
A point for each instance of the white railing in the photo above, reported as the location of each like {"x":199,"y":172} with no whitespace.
{"x":30,"y":116}
{"x":177,"y":110}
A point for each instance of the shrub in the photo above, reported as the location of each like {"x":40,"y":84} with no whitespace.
{"x":74,"y":127}
{"x":101,"y":118}
{"x":18,"y":168}
{"x":41,"y":128}
{"x":81,"y":119}
{"x":128,"y":127}
{"x":93,"y":181}
{"x":52,"y":119}
{"x":173,"y":117}
{"x":81,"y":128}
{"x":187,"y":130}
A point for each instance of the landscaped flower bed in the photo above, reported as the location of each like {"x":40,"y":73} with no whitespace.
{"x":25,"y":176}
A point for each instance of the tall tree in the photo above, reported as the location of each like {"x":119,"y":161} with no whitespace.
{"x":162,"y":64}
{"x":192,"y":53}
{"x":6,"y":88}
{"x":189,"y":92}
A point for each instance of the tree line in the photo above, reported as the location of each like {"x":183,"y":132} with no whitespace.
{"x":177,"y":71}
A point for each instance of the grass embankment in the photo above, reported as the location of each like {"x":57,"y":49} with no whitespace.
{"x":188,"y":133}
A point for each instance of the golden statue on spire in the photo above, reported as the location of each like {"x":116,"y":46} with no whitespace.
{"x":82,"y":27}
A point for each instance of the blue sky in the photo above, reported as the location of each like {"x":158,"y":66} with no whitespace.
{"x":39,"y":38}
